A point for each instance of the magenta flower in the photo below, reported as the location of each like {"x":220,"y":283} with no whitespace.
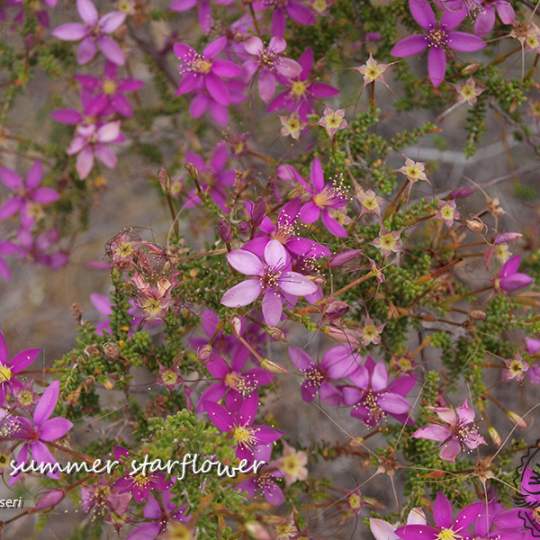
{"x":103,"y":305}
{"x":295,"y":9}
{"x":271,"y":277}
{"x":337,"y":363}
{"x":157,"y":517}
{"x":270,"y":64}
{"x":509,"y":279}
{"x":43,"y":247}
{"x":104,"y":500}
{"x":204,"y":10}
{"x":302,"y":92}
{"x":233,"y":384}
{"x":284,"y":232}
{"x":485,"y":20}
{"x":438,"y":38}
{"x":263,"y":483}
{"x":42,"y":429}
{"x":10,"y":367}
{"x":214,"y":341}
{"x":213,"y":176}
{"x":94,"y":33}
{"x":373,"y":397}
{"x":93,"y":141}
{"x":108,"y":91}
{"x":28,"y":195}
{"x":8,"y":249}
{"x":459,"y":433}
{"x":205,"y":71}
{"x":252,"y":441}
{"x":323,"y":198}
{"x":445,"y":526}
{"x":141,"y":486}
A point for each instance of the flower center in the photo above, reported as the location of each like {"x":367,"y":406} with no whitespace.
{"x":314,"y":377}
{"x":319,"y":6}
{"x":270,"y":279}
{"x":201,"y":65}
{"x":5,"y":373}
{"x":268,"y":59}
{"x":141,"y":480}
{"x":25,"y":398}
{"x":109,"y":86}
{"x":35,"y":211}
{"x":298,"y":88}
{"x":437,"y":37}
{"x":370,"y":402}
{"x":447,"y":534}
{"x":447,"y":212}
{"x":324,"y":198}
{"x":151,"y":306}
{"x":169,"y":377}
{"x":244,"y":435}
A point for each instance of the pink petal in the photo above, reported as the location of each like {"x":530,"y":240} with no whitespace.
{"x":47,"y":402}
{"x":242,"y":294}
{"x":111,"y":50}
{"x":450,"y":450}
{"x":463,"y":42}
{"x":409,"y":46}
{"x":70,"y":32}
{"x":88,"y":12}
{"x":272,"y":307}
{"x":245,"y":262}
{"x":253,"y":45}
{"x":10,"y":179}
{"x":86,"y":50}
{"x":422,"y":13}
{"x":54,"y":429}
{"x":300,"y":358}
{"x":112,"y":21}
{"x":296,"y":284}
{"x":275,"y":254}
{"x":35,"y":174}
{"x":436,"y":65}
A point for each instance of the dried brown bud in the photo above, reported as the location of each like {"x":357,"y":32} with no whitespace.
{"x":336,"y":309}
{"x":276,"y":333}
{"x":204,"y":352}
{"x":478,"y":315}
{"x":91,"y":350}
{"x":475,"y":225}
{"x":111,"y":350}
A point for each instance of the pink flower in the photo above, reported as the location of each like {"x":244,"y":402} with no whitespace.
{"x":295,"y":9}
{"x":36,"y":433}
{"x":108,"y":90}
{"x":269,"y":63}
{"x":263,"y":483}
{"x":252,"y":441}
{"x":509,"y":279}
{"x":11,"y":367}
{"x":270,"y":277}
{"x":459,"y":433}
{"x":93,"y":141}
{"x":204,"y":10}
{"x":323,"y":198}
{"x":94,"y":33}
{"x":302,"y":92}
{"x":438,"y":37}
{"x":205,"y":71}
{"x":373,"y":396}
{"x":28,"y":195}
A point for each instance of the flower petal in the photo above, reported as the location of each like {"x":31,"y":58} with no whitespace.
{"x":409,"y":46}
{"x":47,"y":402}
{"x":242,"y":294}
{"x":245,"y":262}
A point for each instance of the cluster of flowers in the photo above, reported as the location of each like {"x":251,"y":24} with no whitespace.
{"x":290,"y":239}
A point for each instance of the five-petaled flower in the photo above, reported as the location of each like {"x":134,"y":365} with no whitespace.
{"x":94,"y":33}
{"x":459,"y":432}
{"x":438,"y":38}
{"x":271,"y":277}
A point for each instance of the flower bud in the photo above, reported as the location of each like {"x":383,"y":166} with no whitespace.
{"x":478,"y":315}
{"x":237,"y":325}
{"x":257,"y":531}
{"x":336,"y":309}
{"x":204,"y":352}
{"x":276,"y":333}
{"x":267,"y":364}
{"x":494,"y":436}
{"x":225,"y":230}
{"x":111,"y":350}
{"x":517,"y":419}
{"x":49,"y":499}
{"x":475,"y":225}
